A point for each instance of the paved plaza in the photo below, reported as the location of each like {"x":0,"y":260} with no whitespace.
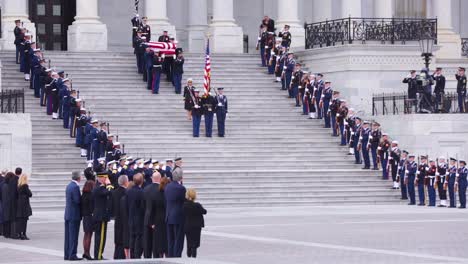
{"x":329,"y":234}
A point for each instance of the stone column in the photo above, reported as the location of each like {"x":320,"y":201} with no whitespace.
{"x":351,"y":8}
{"x":87,"y":33}
{"x":197,"y":26}
{"x":226,"y":35}
{"x":156,"y":11}
{"x":322,"y":10}
{"x":383,"y":9}
{"x":288,"y":14}
{"x":13,"y":10}
{"x":448,"y":40}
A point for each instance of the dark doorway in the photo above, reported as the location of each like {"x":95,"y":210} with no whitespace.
{"x":52,"y":18}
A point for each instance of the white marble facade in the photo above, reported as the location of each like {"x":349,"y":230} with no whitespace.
{"x":105,"y":24}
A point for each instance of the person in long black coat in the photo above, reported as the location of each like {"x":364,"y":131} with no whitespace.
{"x":2,"y":180}
{"x":7,"y":204}
{"x":24,"y":210}
{"x":194,"y":222}
{"x":136,"y":214}
{"x":87,"y":208}
{"x":119,"y":224}
{"x":123,"y":215}
{"x":150,"y":193}
{"x":159,"y":221}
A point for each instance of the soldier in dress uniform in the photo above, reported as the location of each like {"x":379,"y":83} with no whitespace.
{"x":286,"y":36}
{"x":261,"y":42}
{"x":167,"y":168}
{"x":109,"y":147}
{"x":303,"y":86}
{"x":269,"y":46}
{"x":221,"y":111}
{"x":147,"y":172}
{"x":441,"y":178}
{"x":116,"y":152}
{"x":450,"y":182}
{"x":136,"y":25}
{"x":80,"y":133}
{"x":102,"y":140}
{"x":102,"y":212}
{"x":432,"y":182}
{"x":334,"y":107}
{"x":274,"y":56}
{"x":288,"y":69}
{"x":356,"y":134}
{"x":146,"y":29}
{"x":75,"y":112}
{"x":421,"y":175}
{"x":310,"y":98}
{"x":18,"y":39}
{"x":148,"y":70}
{"x":364,"y":144}
{"x":327,"y":94}
{"x":139,"y":50}
{"x":26,"y":56}
{"x":439,"y":88}
{"x":131,"y":169}
{"x":401,"y":174}
{"x":122,"y":167}
{"x":375,"y":136}
{"x":295,"y":82}
{"x":113,"y":173}
{"x":209,"y":105}
{"x":164,"y":37}
{"x":319,"y":86}
{"x":349,"y":129}
{"x":178,"y":70}
{"x":341,"y":120}
{"x":383,"y":148}
{"x":197,"y":112}
{"x":36,"y":67}
{"x":66,"y":96}
{"x":280,"y":67}
{"x":461,"y":89}
{"x":411,"y":80}
{"x":410,"y":178}
{"x":279,"y":52}
{"x":157,"y":69}
{"x":462,"y":183}
{"x":394,"y":159}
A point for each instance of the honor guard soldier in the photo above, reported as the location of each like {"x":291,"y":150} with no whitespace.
{"x":66,"y":97}
{"x":93,"y":150}
{"x":461,"y":89}
{"x":147,"y":172}
{"x":18,"y":39}
{"x":157,"y":69}
{"x":383,"y":148}
{"x":364,"y":144}
{"x":375,"y":136}
{"x":168,"y":168}
{"x":136,"y":25}
{"x":270,"y":45}
{"x":101,"y":213}
{"x":288,"y":68}
{"x":450,"y":182}
{"x":148,"y":70}
{"x":356,"y":134}
{"x":280,"y":67}
{"x":75,"y":113}
{"x":209,"y":105}
{"x":334,"y":106}
{"x":421,"y":175}
{"x":310,"y":98}
{"x":441,"y":179}
{"x":341,"y":120}
{"x":122,"y":167}
{"x":279,"y":52}
{"x":116,"y":152}
{"x":197,"y":112}
{"x":295,"y":82}
{"x":261,"y":42}
{"x":327,"y":94}
{"x":411,"y":80}
{"x":112,"y":173}
{"x":164,"y":37}
{"x":439,"y":88}
{"x":303,"y":86}
{"x":102,"y":140}
{"x":221,"y":111}
{"x":349,"y":128}
{"x":80,"y":133}
{"x":178,"y":70}
{"x":109,"y":148}
{"x":131,"y":170}
{"x":319,"y":86}
{"x":462,"y":183}
{"x":146,"y":29}
{"x":137,"y":45}
{"x":432,"y":182}
{"x":394,"y":160}
{"x":274,"y":57}
{"x":401,"y":174}
{"x":410,"y":178}
{"x":286,"y":37}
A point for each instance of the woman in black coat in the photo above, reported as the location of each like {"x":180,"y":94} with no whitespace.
{"x":159,"y":221}
{"x":87,"y":207}
{"x":7,"y":204}
{"x":24,"y":210}
{"x":194,"y":222}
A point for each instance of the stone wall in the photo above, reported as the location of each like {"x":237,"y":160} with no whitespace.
{"x":16,"y":141}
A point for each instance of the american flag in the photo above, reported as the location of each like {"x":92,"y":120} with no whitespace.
{"x":207,"y":76}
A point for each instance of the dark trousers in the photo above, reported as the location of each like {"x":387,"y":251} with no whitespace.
{"x":177,"y":80}
{"x":193,"y":241}
{"x":156,"y":80}
{"x":461,"y":102}
{"x":119,"y":252}
{"x":442,"y":192}
{"x":175,"y":240}
{"x":421,"y":192}
{"x":462,"y":193}
{"x":319,"y":110}
{"x":21,"y":225}
{"x":196,"y":119}
{"x":100,"y":239}
{"x":451,"y":189}
{"x":384,"y":163}
{"x":136,"y":246}
{"x":17,"y":53}
{"x":374,"y":155}
{"x":342,"y":133}
{"x":221,"y":120}
{"x":150,"y":78}
{"x":66,"y":117}
{"x":72,"y":228}
{"x":403,"y":188}
{"x":432,"y":195}
{"x":326,"y":105}
{"x":209,"y":124}
{"x":148,"y":242}
{"x":7,"y":229}
{"x":438,"y":101}
{"x":394,"y":166}
{"x":365,"y":156}
{"x":411,"y":193}
{"x":139,"y":62}
{"x":262,"y":56}
{"x":357,"y":155}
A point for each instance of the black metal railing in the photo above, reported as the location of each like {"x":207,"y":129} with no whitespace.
{"x":399,"y":104}
{"x":385,"y":30}
{"x":464,"y":46}
{"x":12,"y":101}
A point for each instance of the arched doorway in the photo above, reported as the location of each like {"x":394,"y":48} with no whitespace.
{"x":52,"y":18}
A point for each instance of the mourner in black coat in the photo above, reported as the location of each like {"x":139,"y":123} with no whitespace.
{"x":194,"y":222}
{"x":9,"y":200}
{"x":136,"y":214}
{"x":117,"y":212}
{"x":24,"y":210}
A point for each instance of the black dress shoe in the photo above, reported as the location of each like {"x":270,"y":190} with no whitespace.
{"x":441,"y":205}
{"x":461,"y":207}
{"x":75,"y":259}
{"x":412,"y":204}
{"x":87,"y":257}
{"x":25,"y":237}
{"x":421,"y":204}
{"x":404,"y":198}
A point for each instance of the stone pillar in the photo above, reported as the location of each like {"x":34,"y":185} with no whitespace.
{"x":383,"y":9}
{"x":87,"y":33}
{"x":226,"y":35}
{"x":197,"y":26}
{"x":322,"y":10}
{"x":351,"y":8}
{"x":11,"y":11}
{"x":156,"y":11}
{"x":449,"y":41}
{"x":288,"y":14}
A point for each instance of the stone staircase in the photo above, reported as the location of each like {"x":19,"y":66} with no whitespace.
{"x":271,"y":154}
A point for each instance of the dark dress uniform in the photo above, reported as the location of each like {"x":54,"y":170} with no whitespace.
{"x":286,"y":38}
{"x":146,"y":29}
{"x":452,"y":178}
{"x":340,"y":118}
{"x":197,"y":112}
{"x":24,"y":210}
{"x":194,"y":222}
{"x":209,"y":105}
{"x":136,"y":213}
{"x":431,"y":183}
{"x":383,"y":153}
{"x":294,"y":87}
{"x":462,"y":185}
{"x":334,"y":106}
{"x":375,"y":136}
{"x":119,"y":224}
{"x":149,"y":68}
{"x":442,"y":177}
{"x":262,"y":42}
{"x":319,"y":86}
{"x":439,"y":90}
{"x":101,"y":216}
{"x":136,"y":24}
{"x":394,"y":160}
{"x":178,"y":71}
{"x":18,"y":39}
{"x":288,"y":67}
{"x":327,"y":94}
{"x":364,"y":141}
{"x":102,"y":142}
{"x":411,"y":168}
{"x":221,"y":112}
{"x":164,"y":38}
{"x":461,"y":91}
{"x":157,"y":69}
{"x":401,"y":176}
{"x":356,"y":134}
{"x":412,"y":87}
{"x":421,"y":175}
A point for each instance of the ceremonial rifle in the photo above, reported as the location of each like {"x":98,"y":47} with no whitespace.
{"x":108,"y":127}
{"x":447,"y":171}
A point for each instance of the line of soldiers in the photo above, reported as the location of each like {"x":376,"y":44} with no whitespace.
{"x":432,"y":100}
{"x":152,"y":63}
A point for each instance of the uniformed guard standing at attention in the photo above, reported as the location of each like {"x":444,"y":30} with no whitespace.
{"x":327,"y":95}
{"x":383,"y":153}
{"x":196,"y":113}
{"x":431,"y":182}
{"x":410,"y":171}
{"x":450,"y":182}
{"x":148,"y":58}
{"x":137,"y":41}
{"x":178,"y":70}
{"x":288,"y":68}
{"x":101,"y":212}
{"x":209,"y":105}
{"x":319,"y":86}
{"x":462,"y":183}
{"x":349,"y":127}
{"x":286,"y":36}
{"x":411,"y":80}
{"x":334,"y":106}
{"x":261,"y":42}
{"x":157,"y":69}
{"x":394,"y":159}
{"x":461,"y":89}
{"x":102,"y":139}
{"x":421,"y":175}
{"x":146,"y":29}
{"x":364,"y":144}
{"x":439,"y":88}
{"x":401,"y":174}
{"x":66,"y":108}
{"x":164,"y":37}
{"x":221,"y":111}
{"x":136,"y":25}
{"x":356,"y":134}
{"x":295,"y":83}
{"x":18,"y":39}
{"x":341,"y":120}
{"x":441,"y":179}
{"x":75,"y":110}
{"x":80,"y":132}
{"x":375,"y":136}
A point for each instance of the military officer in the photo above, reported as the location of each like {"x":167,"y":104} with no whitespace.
{"x":401,"y":174}
{"x":178,"y":70}
{"x":286,"y":37}
{"x":461,"y":89}
{"x":188,"y":98}
{"x":197,"y":112}
{"x":341,"y":120}
{"x":148,"y":58}
{"x":75,"y":112}
{"x":432,"y":182}
{"x":80,"y":131}
{"x":147,"y":172}
{"x":66,"y":107}
{"x":136,"y":25}
{"x":209,"y":105}
{"x":102,"y":212}
{"x":138,"y":49}
{"x":274,"y":56}
{"x":327,"y":94}
{"x":280,"y":68}
{"x":441,"y":179}
{"x":394,"y":159}
{"x":411,"y":80}
{"x":356,"y":134}
{"x":439,"y":88}
{"x":18,"y":39}
{"x":116,"y":152}
{"x":319,"y":86}
{"x":146,"y":29}
{"x":157,"y":69}
{"x":109,"y":147}
{"x":450,"y":182}
{"x":221,"y":111}
{"x":349,"y":128}
{"x":375,"y":136}
{"x":410,"y":178}
{"x":164,"y":37}
{"x":295,"y":83}
{"x":364,"y":144}
{"x":122,"y":167}
{"x":462,"y":183}
{"x":383,"y":148}
{"x":269,"y":46}
{"x":288,"y":68}
{"x":113,"y":173}
{"x":102,"y":140}
{"x":421,"y":175}
{"x":334,"y":107}
{"x":261,"y":42}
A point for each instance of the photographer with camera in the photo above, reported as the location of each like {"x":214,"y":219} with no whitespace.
{"x":424,"y":88}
